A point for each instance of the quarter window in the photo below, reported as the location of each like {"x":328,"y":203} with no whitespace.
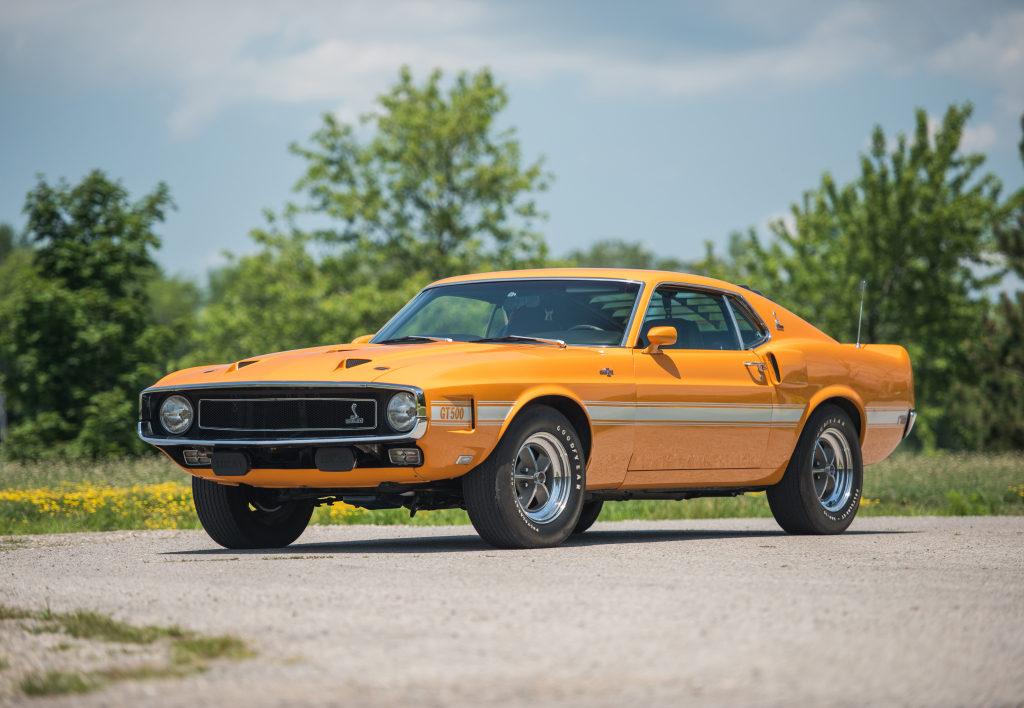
{"x":751,"y":330}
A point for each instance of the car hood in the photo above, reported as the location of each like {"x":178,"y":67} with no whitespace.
{"x":361,"y":363}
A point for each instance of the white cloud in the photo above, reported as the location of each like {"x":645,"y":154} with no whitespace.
{"x":215,"y":55}
{"x":978,"y":139}
{"x":219,"y":54}
{"x":995,"y":57}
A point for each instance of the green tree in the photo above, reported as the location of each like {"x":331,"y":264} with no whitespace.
{"x":914,"y":225}
{"x":616,"y":253}
{"x":8,"y":242}
{"x":993,"y":409}
{"x":433,"y":190}
{"x":281,"y":298}
{"x":436,"y":189}
{"x":76,"y":341}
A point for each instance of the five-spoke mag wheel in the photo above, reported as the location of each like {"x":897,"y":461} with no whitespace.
{"x":529,"y":491}
{"x":832,"y":469}
{"x":821,"y":488}
{"x":542,"y":477}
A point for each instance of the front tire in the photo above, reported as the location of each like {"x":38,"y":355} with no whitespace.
{"x":589,"y":514}
{"x":820,"y":491}
{"x":242,"y":518}
{"x":529,"y":492}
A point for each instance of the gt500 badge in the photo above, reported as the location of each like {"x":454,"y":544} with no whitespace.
{"x":451,"y":414}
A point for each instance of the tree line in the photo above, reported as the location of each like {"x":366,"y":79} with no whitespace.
{"x":88,"y":319}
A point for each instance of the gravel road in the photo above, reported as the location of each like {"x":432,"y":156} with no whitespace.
{"x":726,"y":612}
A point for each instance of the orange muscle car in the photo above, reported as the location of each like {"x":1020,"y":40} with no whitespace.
{"x":531,"y":398}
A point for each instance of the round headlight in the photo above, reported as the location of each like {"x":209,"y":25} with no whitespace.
{"x":402,"y":412}
{"x":176,"y":414}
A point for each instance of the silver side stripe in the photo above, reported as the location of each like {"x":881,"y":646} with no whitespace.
{"x":628,"y":413}
{"x":787,"y":414}
{"x":601,"y":412}
{"x":886,"y":416}
{"x":755,"y":414}
{"x":703,"y":414}
{"x":488,"y":412}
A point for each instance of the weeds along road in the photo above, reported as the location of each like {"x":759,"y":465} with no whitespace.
{"x":898,"y":611}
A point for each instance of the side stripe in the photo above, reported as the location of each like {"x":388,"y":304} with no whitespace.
{"x":697,"y":414}
{"x":489,"y":413}
{"x":886,"y":417}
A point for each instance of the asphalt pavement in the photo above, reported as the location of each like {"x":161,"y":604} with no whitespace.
{"x":727,"y":612}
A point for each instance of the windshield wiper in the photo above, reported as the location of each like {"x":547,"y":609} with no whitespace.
{"x":516,"y":338}
{"x":410,"y":338}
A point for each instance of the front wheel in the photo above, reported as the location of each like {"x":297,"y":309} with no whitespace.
{"x":591,"y":510}
{"x":820,"y":491}
{"x":244,"y":517}
{"x":529,"y":492}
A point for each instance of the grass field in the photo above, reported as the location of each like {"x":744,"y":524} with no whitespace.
{"x":60,"y":497}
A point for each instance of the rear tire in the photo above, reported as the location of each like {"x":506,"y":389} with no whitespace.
{"x":820,"y":491}
{"x":237,"y":517}
{"x":528,"y":493}
{"x":591,"y":510}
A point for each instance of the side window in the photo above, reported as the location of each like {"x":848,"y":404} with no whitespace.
{"x":701,"y":319}
{"x":752,"y":332}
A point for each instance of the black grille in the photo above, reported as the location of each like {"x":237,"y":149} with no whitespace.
{"x":277,"y":413}
{"x":287,"y":414}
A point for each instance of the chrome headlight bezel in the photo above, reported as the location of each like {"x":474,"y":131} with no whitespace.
{"x":403,"y":412}
{"x":176,"y":414}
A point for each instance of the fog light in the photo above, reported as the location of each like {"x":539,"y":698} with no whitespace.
{"x":196,"y":458}
{"x":405,"y":456}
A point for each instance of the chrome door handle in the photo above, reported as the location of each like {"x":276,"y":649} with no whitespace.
{"x":761,"y":368}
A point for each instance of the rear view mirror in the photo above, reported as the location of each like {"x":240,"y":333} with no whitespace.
{"x":514,"y":304}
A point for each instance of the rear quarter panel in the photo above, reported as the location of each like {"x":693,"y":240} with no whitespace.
{"x":876,"y":379}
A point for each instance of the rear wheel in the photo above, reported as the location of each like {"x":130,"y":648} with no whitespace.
{"x":591,"y":510}
{"x":820,"y":491}
{"x":244,"y":517}
{"x":529,"y":492}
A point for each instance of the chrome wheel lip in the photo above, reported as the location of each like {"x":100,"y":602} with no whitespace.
{"x":832,"y":469}
{"x":541,"y":478}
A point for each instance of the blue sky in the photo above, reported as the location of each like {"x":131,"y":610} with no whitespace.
{"x":666,"y":123}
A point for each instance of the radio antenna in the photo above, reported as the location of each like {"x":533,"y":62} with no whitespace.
{"x":863,"y":287}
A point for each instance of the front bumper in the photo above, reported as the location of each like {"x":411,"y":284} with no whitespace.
{"x":146,"y":434}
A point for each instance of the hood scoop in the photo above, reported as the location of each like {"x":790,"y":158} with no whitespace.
{"x":349,"y":363}
{"x":240,"y":364}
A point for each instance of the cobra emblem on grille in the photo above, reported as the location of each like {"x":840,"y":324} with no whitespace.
{"x":355,"y":419}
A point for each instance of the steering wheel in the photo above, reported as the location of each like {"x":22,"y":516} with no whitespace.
{"x":598,"y":329}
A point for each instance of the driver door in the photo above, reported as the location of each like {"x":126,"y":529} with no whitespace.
{"x":702,"y":403}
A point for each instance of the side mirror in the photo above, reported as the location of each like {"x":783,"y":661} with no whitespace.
{"x":362,"y":339}
{"x":660,"y":336}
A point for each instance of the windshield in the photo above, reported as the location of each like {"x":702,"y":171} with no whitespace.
{"x":585,"y":312}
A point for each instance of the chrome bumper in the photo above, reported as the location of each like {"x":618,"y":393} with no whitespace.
{"x":911,"y":417}
{"x":145,"y":433}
